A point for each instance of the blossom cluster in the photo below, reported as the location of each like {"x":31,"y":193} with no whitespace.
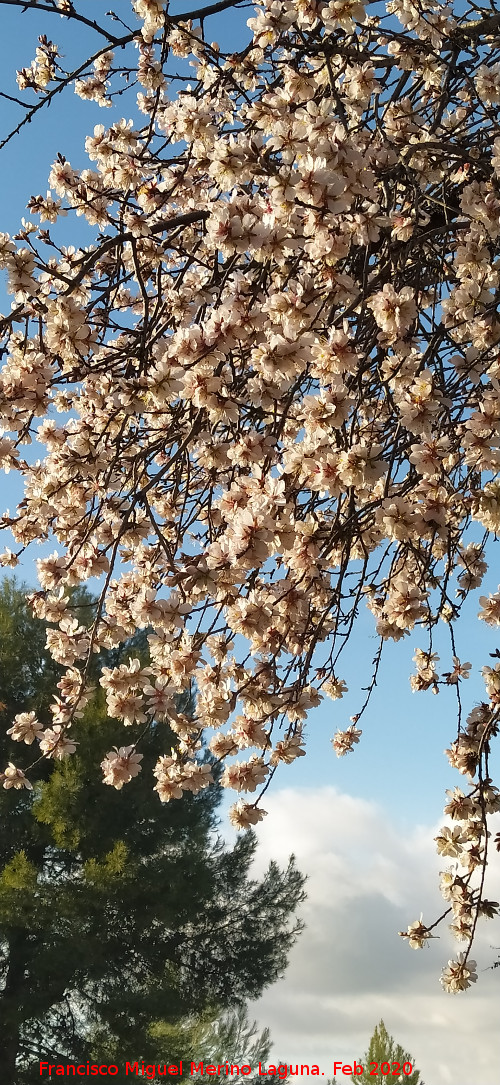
{"x":277,"y":370}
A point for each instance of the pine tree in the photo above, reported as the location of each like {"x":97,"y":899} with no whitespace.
{"x":234,"y":1038}
{"x":119,"y":921}
{"x":384,"y":1051}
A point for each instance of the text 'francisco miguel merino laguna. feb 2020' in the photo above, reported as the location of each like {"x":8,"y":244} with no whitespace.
{"x":152,"y":1070}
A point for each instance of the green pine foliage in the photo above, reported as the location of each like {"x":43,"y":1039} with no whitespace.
{"x":124,"y":923}
{"x":382,"y":1050}
{"x":233,"y":1038}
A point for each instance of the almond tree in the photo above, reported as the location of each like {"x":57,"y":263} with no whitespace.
{"x":278,"y":373}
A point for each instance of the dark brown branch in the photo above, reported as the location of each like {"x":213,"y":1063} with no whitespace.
{"x":33,"y":5}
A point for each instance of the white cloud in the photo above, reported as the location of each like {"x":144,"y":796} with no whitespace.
{"x":366,"y":880}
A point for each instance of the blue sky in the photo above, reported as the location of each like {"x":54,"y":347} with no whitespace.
{"x":395,"y":780}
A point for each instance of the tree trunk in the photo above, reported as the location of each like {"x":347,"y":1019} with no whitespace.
{"x":9,"y":1004}
{"x":10,"y":1046}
